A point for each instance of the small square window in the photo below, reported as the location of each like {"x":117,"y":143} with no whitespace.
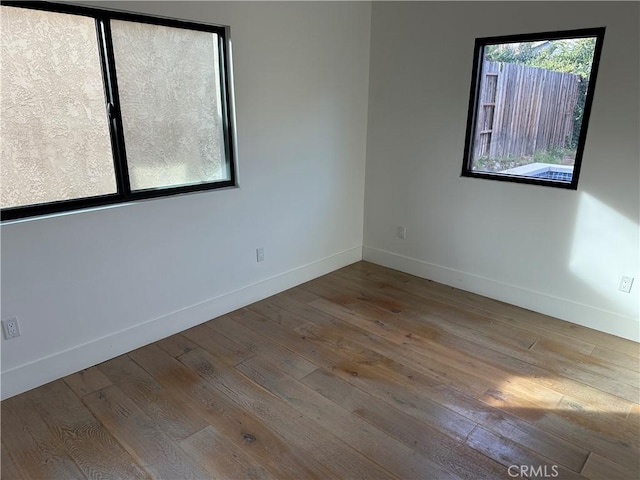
{"x":529,"y":106}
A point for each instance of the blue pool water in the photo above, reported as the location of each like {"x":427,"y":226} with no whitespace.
{"x":557,"y":176}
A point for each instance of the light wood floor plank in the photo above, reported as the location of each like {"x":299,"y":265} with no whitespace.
{"x":522,"y":360}
{"x":221,"y":457}
{"x":572,"y":365}
{"x":89,"y":442}
{"x":225,"y":349}
{"x":9,"y":467}
{"x":595,"y":403}
{"x":383,"y":449}
{"x":176,"y":345}
{"x":35,"y":450}
{"x":285,"y":359}
{"x":547,"y":417}
{"x":141,"y":436}
{"x":320,"y":444}
{"x":283,"y":459}
{"x":510,"y":313}
{"x":425,"y":399}
{"x":509,"y":453}
{"x":364,"y":373}
{"x":447,"y":452}
{"x":444,"y":364}
{"x":168,"y":414}
{"x":598,"y":467}
{"x":616,"y":358}
{"x":87,"y":381}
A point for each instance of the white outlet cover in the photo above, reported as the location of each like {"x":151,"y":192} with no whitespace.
{"x":625,"y":284}
{"x":11,"y":328}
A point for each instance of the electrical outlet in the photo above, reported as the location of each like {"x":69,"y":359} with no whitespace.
{"x":11,"y":328}
{"x":260,"y":254}
{"x":402,"y":233}
{"x":625,"y":284}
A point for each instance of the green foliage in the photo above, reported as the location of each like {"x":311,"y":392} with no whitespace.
{"x":519,"y":53}
{"x":554,"y":156}
{"x":566,"y":56}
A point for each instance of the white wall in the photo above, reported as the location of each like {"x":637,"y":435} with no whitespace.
{"x":89,"y":286}
{"x":556,"y":251}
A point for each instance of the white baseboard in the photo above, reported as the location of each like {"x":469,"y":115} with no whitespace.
{"x":60,"y":364}
{"x":575,"y":312}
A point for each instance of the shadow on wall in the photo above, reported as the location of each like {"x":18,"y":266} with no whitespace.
{"x":601,"y":240}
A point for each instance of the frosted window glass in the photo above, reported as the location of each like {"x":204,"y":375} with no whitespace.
{"x":168,"y":82}
{"x":54,"y":131}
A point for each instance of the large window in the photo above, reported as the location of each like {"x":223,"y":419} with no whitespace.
{"x":101,"y":107}
{"x":529,"y":106}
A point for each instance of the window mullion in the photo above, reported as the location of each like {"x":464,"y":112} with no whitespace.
{"x":113,"y":107}
{"x":225,"y":87}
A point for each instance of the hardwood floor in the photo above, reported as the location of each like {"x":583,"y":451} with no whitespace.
{"x":365,"y":373}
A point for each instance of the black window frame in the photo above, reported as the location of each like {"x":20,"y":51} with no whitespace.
{"x":478,"y":56}
{"x":124,"y":194}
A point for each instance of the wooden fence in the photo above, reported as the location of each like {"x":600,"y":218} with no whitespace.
{"x":522,"y":110}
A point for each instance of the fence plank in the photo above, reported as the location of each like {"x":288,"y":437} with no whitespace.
{"x":523,"y":110}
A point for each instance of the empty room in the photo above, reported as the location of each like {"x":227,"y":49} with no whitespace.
{"x":320,"y":240}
